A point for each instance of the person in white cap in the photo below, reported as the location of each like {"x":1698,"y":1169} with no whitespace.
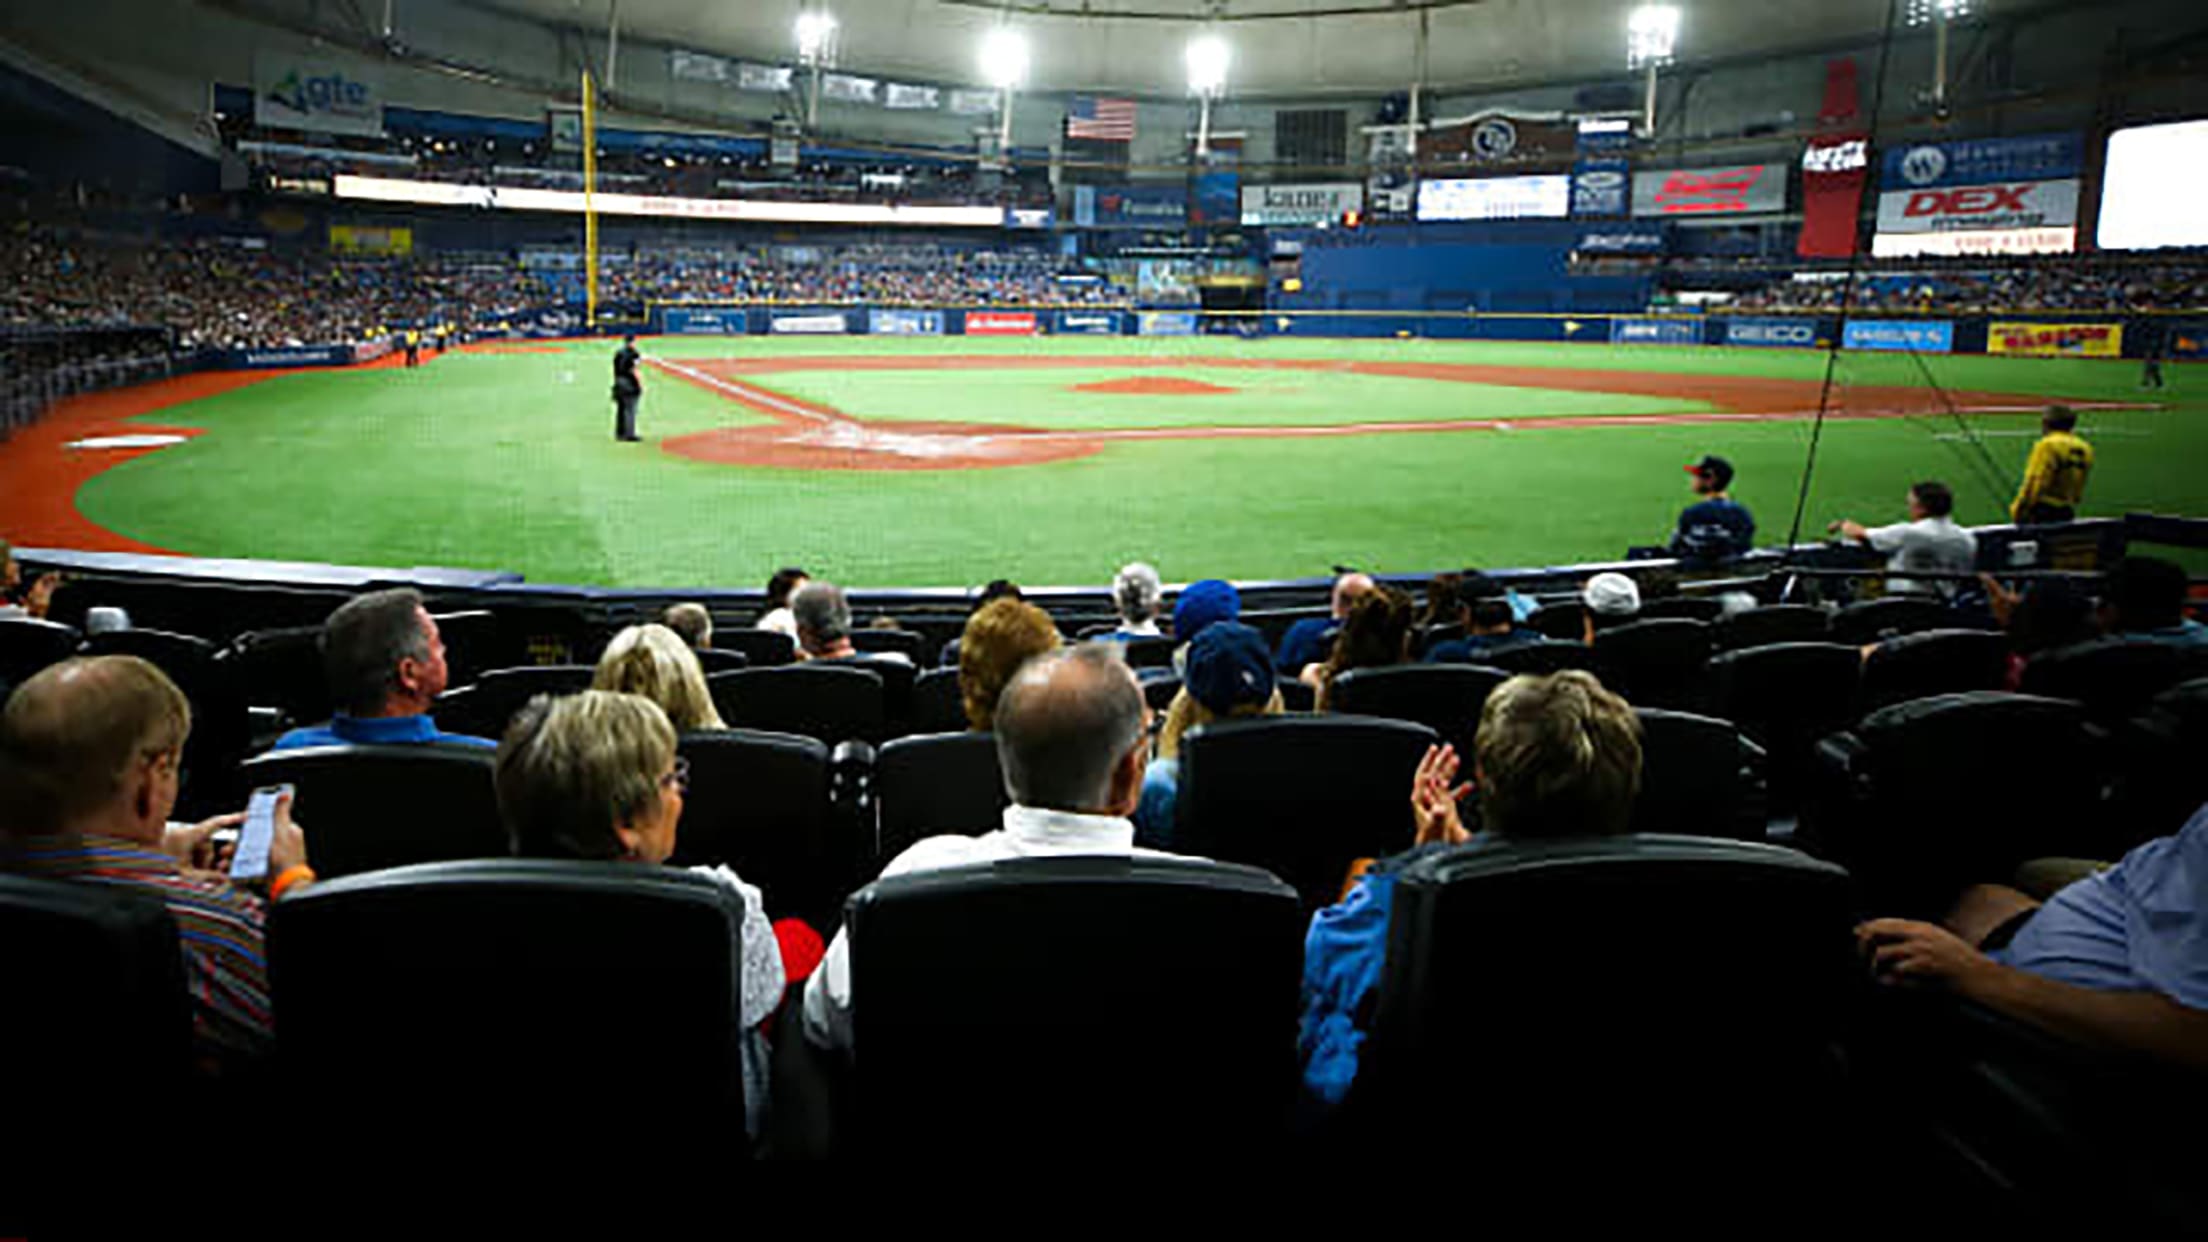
{"x":1611,"y":600}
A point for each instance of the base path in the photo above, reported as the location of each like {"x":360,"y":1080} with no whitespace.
{"x":806,"y":435}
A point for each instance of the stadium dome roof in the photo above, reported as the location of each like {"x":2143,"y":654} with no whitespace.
{"x":1280,"y":47}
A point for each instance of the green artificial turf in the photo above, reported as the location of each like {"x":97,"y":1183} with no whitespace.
{"x":507,"y":461}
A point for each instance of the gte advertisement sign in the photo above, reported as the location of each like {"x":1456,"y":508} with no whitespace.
{"x":1980,"y":208}
{"x":1731,"y":191}
{"x":295,"y":93}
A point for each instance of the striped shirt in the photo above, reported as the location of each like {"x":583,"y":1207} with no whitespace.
{"x":218,"y":927}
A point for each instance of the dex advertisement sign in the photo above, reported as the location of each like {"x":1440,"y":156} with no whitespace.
{"x":1981,"y":161}
{"x":1307,"y":204}
{"x":1980,"y":208}
{"x":1734,"y":190}
{"x":297,"y":92}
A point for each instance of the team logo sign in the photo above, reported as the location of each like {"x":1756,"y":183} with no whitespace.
{"x":1494,"y":138}
{"x":1923,"y":165}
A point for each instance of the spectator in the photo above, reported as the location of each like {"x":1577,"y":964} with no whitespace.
{"x":2144,"y":597}
{"x":1929,"y":542}
{"x":998,"y":588}
{"x":1138,"y":595}
{"x":18,"y":601}
{"x":652,"y":662}
{"x":1490,"y":623}
{"x":594,"y":776}
{"x":2055,"y":473}
{"x":1070,"y":737}
{"x":823,"y":618}
{"x":1375,"y":634}
{"x":1005,"y":634}
{"x":90,"y":754}
{"x":1555,"y":756}
{"x":780,"y":588}
{"x":386,"y":667}
{"x":1307,"y":641}
{"x":1442,"y":601}
{"x":691,"y":623}
{"x":1204,"y":603}
{"x":2049,"y":614}
{"x":1608,"y":601}
{"x":1228,"y":675}
{"x":2118,"y":959}
{"x":1717,"y":527}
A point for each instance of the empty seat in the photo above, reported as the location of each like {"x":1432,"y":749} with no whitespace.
{"x":932,"y":784}
{"x":898,"y":677}
{"x":830,"y":702}
{"x":1891,"y":616}
{"x":759,"y":802}
{"x":1700,"y":777}
{"x":485,"y":708}
{"x":2113,"y":677}
{"x":1149,"y":652}
{"x":1295,"y":696}
{"x":1656,"y":663}
{"x":1560,"y":620}
{"x":1924,"y":797}
{"x":1787,"y":696}
{"x":1728,"y":1068}
{"x":764,"y":648}
{"x":2160,"y":780}
{"x":1446,"y":698}
{"x":28,"y":645}
{"x":1158,"y":692}
{"x":1301,"y":796}
{"x":369,"y":807}
{"x":1553,"y":656}
{"x":937,"y":705}
{"x":474,"y":644}
{"x":528,"y":988}
{"x":1692,"y":607}
{"x":1928,"y":662}
{"x":718,"y":660}
{"x":890,"y":642}
{"x":282,"y":669}
{"x":1774,"y":623}
{"x":1015,"y":1006}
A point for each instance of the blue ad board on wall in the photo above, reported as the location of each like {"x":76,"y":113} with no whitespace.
{"x":1601,"y":187}
{"x":1769,"y":333}
{"x":1923,"y":336}
{"x":1086,"y":323}
{"x":1130,"y":206}
{"x":1166,"y":323}
{"x":900,"y":321}
{"x":1983,"y":161}
{"x":1656,"y":331}
{"x":703,"y":320}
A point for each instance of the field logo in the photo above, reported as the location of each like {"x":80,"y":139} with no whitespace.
{"x":1784,"y":333}
{"x":1001,"y":323}
{"x":1172,"y":323}
{"x":809,"y":325}
{"x":1927,"y":336}
{"x":900,"y":322}
{"x":1923,"y":165}
{"x":1656,"y":332}
{"x":2056,"y":340}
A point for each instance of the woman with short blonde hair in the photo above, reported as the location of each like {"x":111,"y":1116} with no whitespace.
{"x":653,"y":661}
{"x":1001,"y":636}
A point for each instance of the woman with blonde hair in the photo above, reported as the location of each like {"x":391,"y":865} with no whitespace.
{"x":1228,"y":675}
{"x":653,"y":661}
{"x":1001,"y":636}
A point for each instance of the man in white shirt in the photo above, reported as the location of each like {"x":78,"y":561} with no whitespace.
{"x":1071,"y":731}
{"x":1929,"y":542}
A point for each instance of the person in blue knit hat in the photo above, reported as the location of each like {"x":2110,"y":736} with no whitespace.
{"x":1228,"y":674}
{"x":1201,"y":604}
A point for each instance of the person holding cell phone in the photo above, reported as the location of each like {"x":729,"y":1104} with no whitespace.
{"x":90,"y":752}
{"x":21,"y":600}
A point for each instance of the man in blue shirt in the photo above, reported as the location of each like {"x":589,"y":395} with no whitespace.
{"x":1308,"y":641}
{"x":1490,"y":623}
{"x":2144,"y":598}
{"x":1717,"y":527}
{"x":386,"y":665}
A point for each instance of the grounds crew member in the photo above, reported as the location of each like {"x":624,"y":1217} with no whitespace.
{"x":2055,"y":474}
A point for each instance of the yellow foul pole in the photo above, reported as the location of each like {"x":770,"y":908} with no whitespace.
{"x":590,"y":205}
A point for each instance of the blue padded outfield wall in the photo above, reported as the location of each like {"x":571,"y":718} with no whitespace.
{"x":1510,"y":266}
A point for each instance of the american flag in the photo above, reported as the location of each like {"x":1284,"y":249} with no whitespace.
{"x":1100,"y":119}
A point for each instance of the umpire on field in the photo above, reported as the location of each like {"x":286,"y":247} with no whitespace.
{"x":627,"y":391}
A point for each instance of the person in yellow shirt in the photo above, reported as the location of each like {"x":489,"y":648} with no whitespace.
{"x":2054,"y":475}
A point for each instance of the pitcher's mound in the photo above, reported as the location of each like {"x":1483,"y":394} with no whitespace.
{"x":1153,"y":386}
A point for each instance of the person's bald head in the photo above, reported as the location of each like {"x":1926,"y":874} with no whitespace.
{"x":1346,"y":590}
{"x":1070,"y":730}
{"x":85,"y":736}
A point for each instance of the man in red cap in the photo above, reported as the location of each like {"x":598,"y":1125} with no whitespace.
{"x":1716,"y":527}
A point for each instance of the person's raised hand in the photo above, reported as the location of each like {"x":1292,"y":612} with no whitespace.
{"x":38,"y":598}
{"x":194,"y":845}
{"x":287,"y":846}
{"x":1904,"y":951}
{"x":1434,"y":795}
{"x":2000,"y":600}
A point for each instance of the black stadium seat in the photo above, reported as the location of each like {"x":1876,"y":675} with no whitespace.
{"x":1553,"y":656}
{"x":1774,"y":623}
{"x":368,"y":807}
{"x":889,"y":642}
{"x":26,"y":646}
{"x":931,"y":784}
{"x":1692,"y":607}
{"x":531,"y":989}
{"x":1928,"y":662}
{"x":1446,"y":698}
{"x":764,"y":648}
{"x":1787,"y":696}
{"x":937,"y":706}
{"x":1149,"y":652}
{"x":834,"y":704}
{"x":1891,"y":616}
{"x":2113,"y":677}
{"x":1084,"y":1007}
{"x":898,"y":677}
{"x":1726,"y":1068}
{"x":1295,"y":695}
{"x":1656,"y":663}
{"x":485,"y":708}
{"x":1158,"y":692}
{"x":1301,"y":796}
{"x":1700,"y":777}
{"x":473,"y":644}
{"x":2161,"y":781}
{"x":1567,"y":620}
{"x":719,"y":660}
{"x":759,"y":803}
{"x":282,"y":669}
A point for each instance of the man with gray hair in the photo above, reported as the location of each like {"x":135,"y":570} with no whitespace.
{"x":386,"y":664}
{"x":823,"y":619}
{"x":1071,"y":731}
{"x":1138,"y":595}
{"x":691,"y":622}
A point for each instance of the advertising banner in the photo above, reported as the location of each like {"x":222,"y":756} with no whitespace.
{"x":1087,"y":323}
{"x":1601,"y":187}
{"x":2187,"y":340}
{"x":1495,"y":198}
{"x":294,"y":356}
{"x":1218,"y":196}
{"x":2056,"y":340}
{"x":363,"y":239}
{"x":1923,"y":336}
{"x":1001,"y":323}
{"x":905,"y":95}
{"x":702,"y":321}
{"x":1980,"y":208}
{"x":1622,"y":239}
{"x":809,"y":324}
{"x":1983,"y":161}
{"x":1027,"y":217}
{"x":1300,"y":204}
{"x":1734,"y":190}
{"x":297,"y":92}
{"x":1772,"y":333}
{"x":904,"y":322}
{"x":1496,"y":138}
{"x":1835,"y":169}
{"x":1992,"y":241}
{"x":1656,"y":331}
{"x":1130,"y":206}
{"x":1166,"y":323}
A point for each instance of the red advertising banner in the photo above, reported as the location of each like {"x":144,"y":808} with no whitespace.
{"x":1834,"y":172}
{"x":1001,"y":323}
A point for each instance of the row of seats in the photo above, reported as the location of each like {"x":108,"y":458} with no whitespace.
{"x":1859,"y":624}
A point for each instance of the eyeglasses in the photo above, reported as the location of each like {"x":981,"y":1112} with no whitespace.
{"x":679,"y":778}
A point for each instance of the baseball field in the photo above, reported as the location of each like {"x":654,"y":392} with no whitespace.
{"x":944,"y":461}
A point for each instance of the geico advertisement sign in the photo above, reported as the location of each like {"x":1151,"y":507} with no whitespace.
{"x":1783,"y":332}
{"x":1980,"y":208}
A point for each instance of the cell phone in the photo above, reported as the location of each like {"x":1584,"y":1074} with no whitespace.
{"x":250,"y":862}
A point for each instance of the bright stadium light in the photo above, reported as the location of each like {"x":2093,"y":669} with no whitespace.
{"x":1004,"y":58}
{"x":1651,"y":35}
{"x":1925,"y":12}
{"x":1207,"y":64}
{"x":815,"y":27}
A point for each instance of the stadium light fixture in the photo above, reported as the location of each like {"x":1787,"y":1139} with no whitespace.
{"x":1651,"y":36}
{"x":1208,"y":56}
{"x":815,"y":27}
{"x":1004,"y":58}
{"x":1925,"y":12}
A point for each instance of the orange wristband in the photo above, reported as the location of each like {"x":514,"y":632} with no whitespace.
{"x":290,"y":878}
